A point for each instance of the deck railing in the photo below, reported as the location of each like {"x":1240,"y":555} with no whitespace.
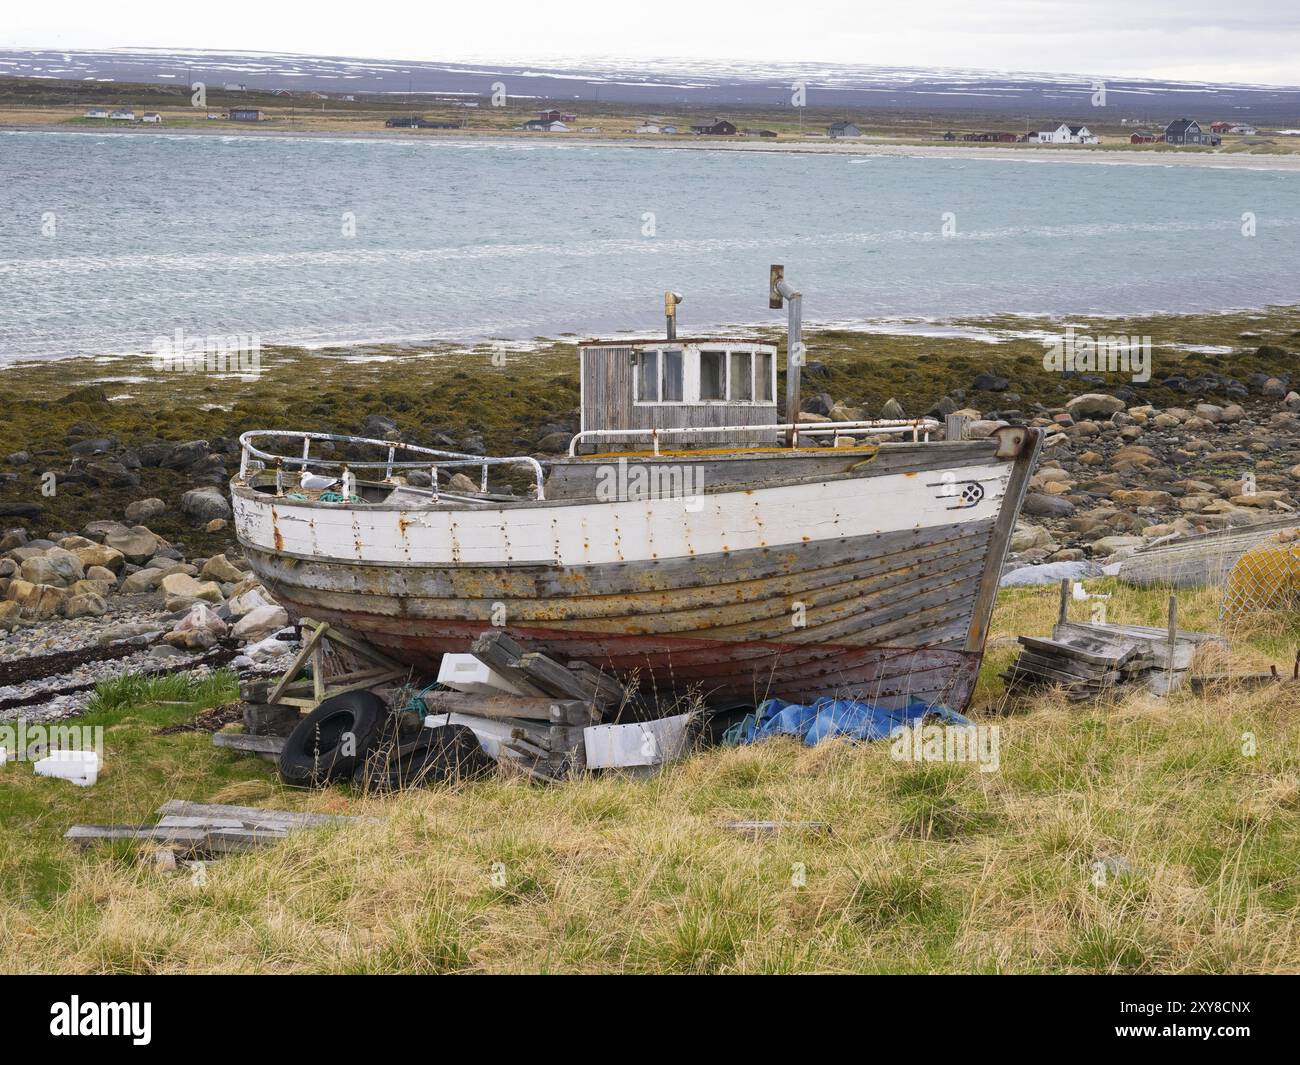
{"x":918,"y":427}
{"x":344,"y":468}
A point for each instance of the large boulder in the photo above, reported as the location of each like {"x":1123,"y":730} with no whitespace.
{"x":247,"y":601}
{"x":100,"y":555}
{"x":86,"y":605}
{"x":182,"y":585}
{"x":137,"y":543}
{"x":221,"y":569}
{"x":260,"y":623}
{"x":37,"y":601}
{"x":56,"y":566}
{"x":1042,"y":505}
{"x":143,"y":511}
{"x":204,"y":504}
{"x":142,"y":581}
{"x":1094,"y":403}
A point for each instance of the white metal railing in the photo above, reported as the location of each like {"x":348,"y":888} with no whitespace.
{"x":306,"y":461}
{"x":919,"y":428}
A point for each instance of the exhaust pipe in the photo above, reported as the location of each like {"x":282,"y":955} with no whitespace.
{"x":780,"y":291}
{"x":671,"y":300}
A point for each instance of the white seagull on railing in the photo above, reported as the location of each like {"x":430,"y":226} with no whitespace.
{"x":316,"y":482}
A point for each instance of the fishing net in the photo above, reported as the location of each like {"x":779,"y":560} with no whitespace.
{"x":1265,"y":578}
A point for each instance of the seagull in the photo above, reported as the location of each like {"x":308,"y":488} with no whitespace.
{"x":315,"y":481}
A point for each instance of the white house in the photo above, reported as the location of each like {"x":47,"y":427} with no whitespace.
{"x":1067,"y":134}
{"x":648,"y":127}
{"x":152,"y":116}
{"x":96,"y":112}
{"x":123,"y":116}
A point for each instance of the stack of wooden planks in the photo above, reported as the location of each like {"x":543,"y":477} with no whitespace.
{"x":1089,"y":659}
{"x":543,"y":729}
{"x":209,"y":829}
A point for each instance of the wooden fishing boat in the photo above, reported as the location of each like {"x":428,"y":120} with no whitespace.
{"x":694,"y":551}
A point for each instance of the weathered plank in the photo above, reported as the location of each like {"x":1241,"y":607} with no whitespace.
{"x":503,"y":706}
{"x":206,"y":840}
{"x":243,"y":741}
{"x":256,"y":815}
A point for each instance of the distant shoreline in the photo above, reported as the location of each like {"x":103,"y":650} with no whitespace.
{"x":865,"y":149}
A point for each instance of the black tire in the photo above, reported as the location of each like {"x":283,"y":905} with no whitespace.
{"x":449,"y":752}
{"x":315,"y":752}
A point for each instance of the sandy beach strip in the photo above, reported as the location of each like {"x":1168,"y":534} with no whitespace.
{"x":866,"y":149}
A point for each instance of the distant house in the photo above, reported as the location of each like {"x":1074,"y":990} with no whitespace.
{"x":555,"y":116}
{"x":245,"y":114}
{"x":404,"y":122}
{"x":1143,"y":137}
{"x":1221,"y":127}
{"x":1067,"y":134}
{"x":231,"y":86}
{"x":1243,"y":130}
{"x":281,"y":92}
{"x":96,"y":112}
{"x":152,"y":116}
{"x":719,"y":127}
{"x":542,"y":125}
{"x":668,"y":129}
{"x":951,"y":136}
{"x":759,"y":132}
{"x":1184,"y":131}
{"x":123,"y":116}
{"x":842,"y":129}
{"x":648,"y":127}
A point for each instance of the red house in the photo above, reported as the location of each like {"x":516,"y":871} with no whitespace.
{"x":1143,"y":138}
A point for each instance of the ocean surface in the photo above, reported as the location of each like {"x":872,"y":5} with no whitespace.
{"x":108,"y":241}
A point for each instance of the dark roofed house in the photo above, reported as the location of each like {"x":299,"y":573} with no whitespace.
{"x":843,"y":129}
{"x":719,"y":127}
{"x":1184,"y":131}
{"x":245,"y":114}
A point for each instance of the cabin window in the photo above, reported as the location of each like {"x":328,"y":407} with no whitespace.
{"x":741,"y":377}
{"x":671,"y":391}
{"x":763,"y":385}
{"x":647,"y":377}
{"x":713,"y":375}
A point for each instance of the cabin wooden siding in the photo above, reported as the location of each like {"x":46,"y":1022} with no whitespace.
{"x":608,"y":403}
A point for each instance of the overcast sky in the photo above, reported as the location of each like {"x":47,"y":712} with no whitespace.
{"x":1254,"y":41}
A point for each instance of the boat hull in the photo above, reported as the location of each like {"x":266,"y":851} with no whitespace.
{"x":874,"y":584}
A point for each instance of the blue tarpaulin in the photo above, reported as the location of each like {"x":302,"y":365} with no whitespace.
{"x":834,"y":717}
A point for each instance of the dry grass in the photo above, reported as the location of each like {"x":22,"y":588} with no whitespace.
{"x":1132,"y":837}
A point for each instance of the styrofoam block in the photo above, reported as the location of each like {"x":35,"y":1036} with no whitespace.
{"x":78,"y":767}
{"x":465,"y":673}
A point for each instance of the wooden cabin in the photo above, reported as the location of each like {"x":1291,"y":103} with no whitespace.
{"x":672,"y":384}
